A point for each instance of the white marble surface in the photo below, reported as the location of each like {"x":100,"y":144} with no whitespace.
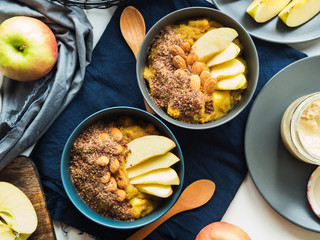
{"x":248,"y":209}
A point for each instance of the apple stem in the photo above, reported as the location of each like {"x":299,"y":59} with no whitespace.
{"x":23,"y":47}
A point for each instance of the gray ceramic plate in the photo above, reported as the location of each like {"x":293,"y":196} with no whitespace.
{"x":280,"y":178}
{"x":274,"y":30}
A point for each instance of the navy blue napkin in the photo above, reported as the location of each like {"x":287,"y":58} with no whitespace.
{"x":216,"y":154}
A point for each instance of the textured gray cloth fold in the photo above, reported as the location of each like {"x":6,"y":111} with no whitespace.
{"x":29,"y":108}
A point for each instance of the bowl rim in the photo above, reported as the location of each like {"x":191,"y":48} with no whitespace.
{"x":144,"y":49}
{"x":77,"y":200}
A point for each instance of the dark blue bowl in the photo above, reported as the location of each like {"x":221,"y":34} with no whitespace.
{"x":72,"y":192}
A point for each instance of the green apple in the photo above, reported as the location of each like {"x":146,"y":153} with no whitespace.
{"x":222,"y":231}
{"x":228,"y":69}
{"x":143,"y":148}
{"x":164,"y":176}
{"x":158,"y":190}
{"x":227,"y":54}
{"x":161,"y":161}
{"x":264,"y":10}
{"x":232,"y":83}
{"x":213,"y":41}
{"x":299,"y":12}
{"x":28,"y":48}
{"x":16,"y":212}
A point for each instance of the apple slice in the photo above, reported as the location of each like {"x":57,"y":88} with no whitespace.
{"x":164,"y":176}
{"x":228,"y":69}
{"x":161,"y":161}
{"x":299,"y":12}
{"x":158,"y":190}
{"x":213,"y":42}
{"x":16,"y":210}
{"x":146,"y":147}
{"x":227,"y":54}
{"x":264,"y":10}
{"x":232,"y":83}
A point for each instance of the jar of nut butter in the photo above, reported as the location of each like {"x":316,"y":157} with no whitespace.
{"x":300,"y":128}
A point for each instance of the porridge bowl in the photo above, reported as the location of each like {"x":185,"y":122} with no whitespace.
{"x":197,"y":68}
{"x":122,"y":168}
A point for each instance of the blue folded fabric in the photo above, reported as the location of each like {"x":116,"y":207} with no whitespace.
{"x":216,"y":154}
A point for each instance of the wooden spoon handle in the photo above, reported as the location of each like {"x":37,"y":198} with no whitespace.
{"x":145,"y":231}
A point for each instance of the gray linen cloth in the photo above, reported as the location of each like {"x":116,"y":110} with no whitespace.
{"x":29,"y":108}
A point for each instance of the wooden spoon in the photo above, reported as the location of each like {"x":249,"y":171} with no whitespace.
{"x":133,"y":30}
{"x":195,"y":195}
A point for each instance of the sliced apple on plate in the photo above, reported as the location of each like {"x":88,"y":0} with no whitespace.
{"x":164,"y":176}
{"x":16,"y":212}
{"x":158,"y":190}
{"x":143,"y":148}
{"x":213,"y":41}
{"x":227,"y":54}
{"x":299,"y":11}
{"x":228,"y":69}
{"x":232,"y":83}
{"x":264,"y":10}
{"x":161,"y":161}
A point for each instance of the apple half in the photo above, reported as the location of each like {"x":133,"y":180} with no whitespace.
{"x":264,"y":10}
{"x":161,"y":161}
{"x":299,"y":12}
{"x":18,"y":218}
{"x":143,"y":148}
{"x":213,"y":41}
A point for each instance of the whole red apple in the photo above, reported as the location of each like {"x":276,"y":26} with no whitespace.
{"x":222,"y":231}
{"x":28,"y":48}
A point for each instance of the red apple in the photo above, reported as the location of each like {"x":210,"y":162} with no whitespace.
{"x":222,"y":231}
{"x":28,"y":48}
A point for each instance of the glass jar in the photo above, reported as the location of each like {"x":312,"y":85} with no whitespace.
{"x":300,"y":128}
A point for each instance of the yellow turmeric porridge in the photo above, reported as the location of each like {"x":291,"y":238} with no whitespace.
{"x":189,"y":89}
{"x":97,"y":169}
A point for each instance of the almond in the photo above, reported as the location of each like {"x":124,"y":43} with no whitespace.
{"x":105,"y":178}
{"x":204,"y":75}
{"x":122,"y":180}
{"x":179,"y":62}
{"x":176,"y":50}
{"x":197,"y":68}
{"x":114,"y":165}
{"x":185,"y":46}
{"x":116,"y":133}
{"x":210,"y":84}
{"x":179,"y":72}
{"x":103,"y":161}
{"x":195,"y":82}
{"x":112,"y":185}
{"x":104,"y":136}
{"x":192,"y":58}
{"x":121,"y":195}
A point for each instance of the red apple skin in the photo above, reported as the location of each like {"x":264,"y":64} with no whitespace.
{"x":39,"y":45}
{"x":222,"y":231}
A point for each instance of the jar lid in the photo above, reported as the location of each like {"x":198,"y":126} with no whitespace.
{"x":313,"y":191}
